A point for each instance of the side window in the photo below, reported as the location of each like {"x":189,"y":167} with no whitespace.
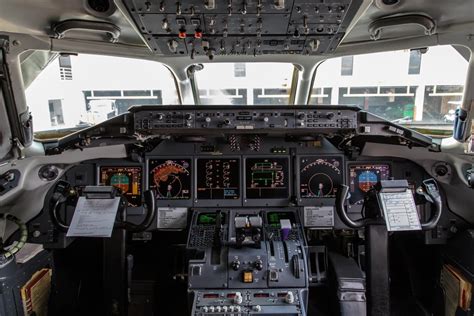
{"x":80,"y":91}
{"x":407,"y":87}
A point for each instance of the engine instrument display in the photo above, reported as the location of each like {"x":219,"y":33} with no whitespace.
{"x":266,"y":178}
{"x":170,"y":178}
{"x":218,"y":179}
{"x":320,"y":177}
{"x":363,"y":177}
{"x":127,"y":179}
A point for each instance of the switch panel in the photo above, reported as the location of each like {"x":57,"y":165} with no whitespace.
{"x":149,"y":120}
{"x":246,"y":27}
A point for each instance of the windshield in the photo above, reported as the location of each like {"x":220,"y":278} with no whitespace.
{"x":74,"y":92}
{"x":245,"y":83}
{"x":411,"y":87}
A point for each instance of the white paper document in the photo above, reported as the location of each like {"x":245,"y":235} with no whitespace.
{"x":318,"y":216}
{"x":400,"y":211}
{"x":172,"y":217}
{"x":93,"y":217}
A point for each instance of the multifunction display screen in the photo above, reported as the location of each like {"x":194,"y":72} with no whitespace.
{"x":266,"y":178}
{"x":274,"y":218}
{"x":320,"y":176}
{"x":209,"y":218}
{"x":363,"y":177}
{"x":170,"y":178}
{"x":218,"y":179}
{"x":127,"y":179}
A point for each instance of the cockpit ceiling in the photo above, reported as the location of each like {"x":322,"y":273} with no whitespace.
{"x":445,"y":14}
{"x":38,"y":18}
{"x":242,"y":28}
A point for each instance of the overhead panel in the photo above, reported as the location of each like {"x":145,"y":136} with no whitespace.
{"x":242,"y":27}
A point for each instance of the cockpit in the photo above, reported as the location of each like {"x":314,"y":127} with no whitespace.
{"x":236,"y":157}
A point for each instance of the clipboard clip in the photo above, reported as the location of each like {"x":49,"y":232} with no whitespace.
{"x":392,"y":186}
{"x":100,"y":192}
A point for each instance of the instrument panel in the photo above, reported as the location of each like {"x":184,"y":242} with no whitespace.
{"x":256,"y":27}
{"x":151,"y":120}
{"x":245,"y":180}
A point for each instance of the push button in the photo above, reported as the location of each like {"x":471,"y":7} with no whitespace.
{"x":248,"y":277}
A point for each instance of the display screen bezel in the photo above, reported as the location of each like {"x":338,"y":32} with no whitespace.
{"x":364,"y":163}
{"x":267,"y":201}
{"x":310,"y":200}
{"x":218,"y":202}
{"x":172,"y":202}
{"x":123,"y":164}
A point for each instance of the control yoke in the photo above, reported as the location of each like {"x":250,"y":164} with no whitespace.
{"x":63,"y":192}
{"x":341,"y":197}
{"x":429,"y":189}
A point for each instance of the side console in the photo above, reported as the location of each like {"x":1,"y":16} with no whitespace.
{"x":247,"y":261}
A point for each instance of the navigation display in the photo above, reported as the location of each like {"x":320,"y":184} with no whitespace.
{"x":320,"y":176}
{"x":363,"y":177}
{"x":266,"y":178}
{"x":218,"y":179}
{"x":170,"y":178}
{"x":127,"y":179}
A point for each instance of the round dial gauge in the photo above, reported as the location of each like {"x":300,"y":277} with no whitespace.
{"x":320,"y":177}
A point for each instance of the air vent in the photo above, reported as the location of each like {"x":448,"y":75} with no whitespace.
{"x":388,"y":4}
{"x":48,"y":172}
{"x":442,"y":170}
{"x":99,"y":8}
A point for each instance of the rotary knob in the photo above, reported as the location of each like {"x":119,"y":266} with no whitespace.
{"x":188,"y":116}
{"x":330,"y":115}
{"x":235,"y":265}
{"x":301,"y":116}
{"x":238,"y":299}
{"x":257,"y":308}
{"x":258,"y":265}
{"x":290,"y":298}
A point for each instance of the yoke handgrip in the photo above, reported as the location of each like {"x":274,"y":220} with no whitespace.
{"x":149,"y":199}
{"x":431,"y":190}
{"x":341,"y":197}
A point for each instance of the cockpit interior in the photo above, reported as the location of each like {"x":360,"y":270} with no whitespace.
{"x":236,"y":157}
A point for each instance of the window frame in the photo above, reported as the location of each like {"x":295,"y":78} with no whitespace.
{"x":192,"y":69}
